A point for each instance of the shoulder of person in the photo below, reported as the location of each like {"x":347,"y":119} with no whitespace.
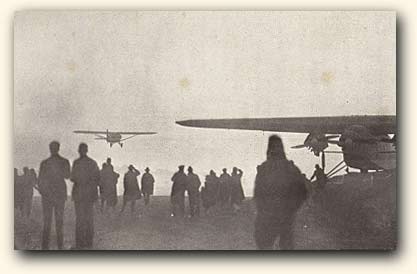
{"x":44,"y":162}
{"x":262,"y":166}
{"x":76,"y":161}
{"x":292,"y":167}
{"x":91,"y":160}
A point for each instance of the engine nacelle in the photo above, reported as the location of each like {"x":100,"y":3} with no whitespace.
{"x":316,"y":143}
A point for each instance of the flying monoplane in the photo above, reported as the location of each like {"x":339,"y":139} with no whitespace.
{"x":366,"y":142}
{"x":113,"y":137}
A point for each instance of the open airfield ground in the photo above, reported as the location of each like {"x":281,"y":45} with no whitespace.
{"x":357,"y":211}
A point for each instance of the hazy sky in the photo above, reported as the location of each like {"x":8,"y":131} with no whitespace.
{"x":142,"y":71}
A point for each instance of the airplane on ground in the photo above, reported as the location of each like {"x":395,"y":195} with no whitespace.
{"x":113,"y":137}
{"x":364,"y":140}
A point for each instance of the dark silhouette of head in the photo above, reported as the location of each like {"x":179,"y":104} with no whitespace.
{"x":54,"y":148}
{"x":32,"y":172}
{"x":104,"y":165}
{"x":108,"y":161}
{"x":181,"y":168}
{"x":25,"y":170}
{"x":234,"y":170}
{"x":190,"y":169}
{"x":83,"y":149}
{"x":317,"y":166}
{"x":212,"y":173}
{"x":147,"y":169}
{"x":131,"y":168}
{"x":275,"y":148}
{"x":224,"y":170}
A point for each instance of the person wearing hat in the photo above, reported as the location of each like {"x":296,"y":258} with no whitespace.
{"x":179,"y":186}
{"x":237,"y":195}
{"x":279,"y":192}
{"x":147,"y":183}
{"x":224,"y":188}
{"x":131,"y":188}
{"x":86,"y":178}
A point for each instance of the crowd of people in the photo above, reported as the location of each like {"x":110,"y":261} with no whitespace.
{"x":23,"y":190}
{"x":279,"y":192}
{"x":90,"y":185}
{"x":225,"y":190}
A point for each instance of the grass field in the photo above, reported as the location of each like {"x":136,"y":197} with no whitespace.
{"x":352,"y":212}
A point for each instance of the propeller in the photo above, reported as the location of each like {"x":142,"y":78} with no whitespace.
{"x":317,"y":142}
{"x":299,"y":146}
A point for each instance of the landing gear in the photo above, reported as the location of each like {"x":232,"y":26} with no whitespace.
{"x":121,"y":144}
{"x":111,"y":144}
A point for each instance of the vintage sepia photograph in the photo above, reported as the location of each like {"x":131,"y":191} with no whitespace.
{"x":205,"y":130}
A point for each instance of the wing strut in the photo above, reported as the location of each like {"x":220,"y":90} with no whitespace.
{"x":336,"y":169}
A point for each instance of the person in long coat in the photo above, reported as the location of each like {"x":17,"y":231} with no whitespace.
{"x":237,"y":194}
{"x":29,"y":181}
{"x":279,"y":192}
{"x":108,"y":182}
{"x":178,"y":189}
{"x":147,"y":184}
{"x":131,"y":188}
{"x":85,"y":175}
{"x":224,"y":188}
{"x":193,"y":190}
{"x":210,"y":191}
{"x":53,"y":189}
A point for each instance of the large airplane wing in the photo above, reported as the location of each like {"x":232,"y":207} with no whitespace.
{"x":119,"y":132}
{"x":135,"y":133}
{"x":89,"y":132}
{"x":377,"y":124}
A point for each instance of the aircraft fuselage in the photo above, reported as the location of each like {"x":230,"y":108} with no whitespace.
{"x":113,"y":137}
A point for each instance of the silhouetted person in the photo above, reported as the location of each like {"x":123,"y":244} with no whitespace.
{"x":224,"y":188}
{"x":131,"y":188}
{"x":209,"y":194}
{"x":237,"y":194}
{"x":28,"y":183}
{"x":147,"y":183}
{"x":279,"y":192}
{"x":193,"y":190}
{"x":53,"y":189}
{"x":86,"y":177}
{"x":179,"y":186}
{"x":205,"y":199}
{"x":320,"y":176}
{"x":102,"y":186}
{"x":18,"y":192}
{"x":108,"y":182}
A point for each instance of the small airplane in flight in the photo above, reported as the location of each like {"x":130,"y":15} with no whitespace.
{"x":364,"y":140}
{"x":113,"y":137}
